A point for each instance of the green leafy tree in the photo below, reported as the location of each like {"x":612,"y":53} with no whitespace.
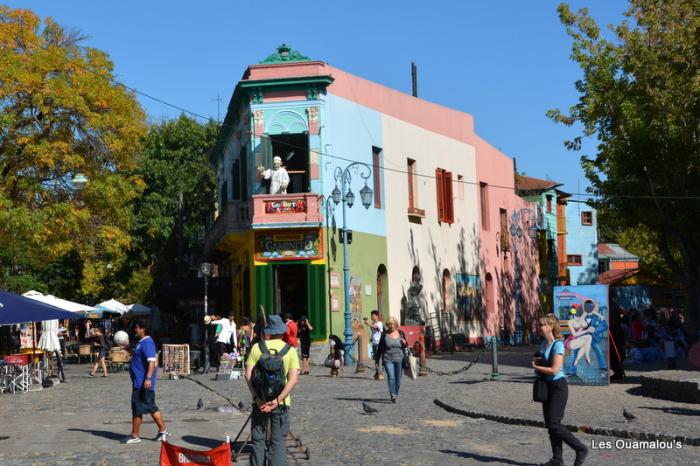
{"x":640,"y":98}
{"x":176,"y":207}
{"x":61,"y":115}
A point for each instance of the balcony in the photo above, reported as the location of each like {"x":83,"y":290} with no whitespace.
{"x":234,"y":218}
{"x":299,"y":210}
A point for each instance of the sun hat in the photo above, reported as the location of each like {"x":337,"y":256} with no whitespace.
{"x":275,"y":325}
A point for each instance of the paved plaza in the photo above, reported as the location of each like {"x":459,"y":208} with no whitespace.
{"x":83,"y":421}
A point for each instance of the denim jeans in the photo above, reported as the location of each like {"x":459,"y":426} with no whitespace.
{"x":279,"y":425}
{"x":393,"y":376}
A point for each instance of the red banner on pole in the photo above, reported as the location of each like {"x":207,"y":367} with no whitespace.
{"x":171,"y":455}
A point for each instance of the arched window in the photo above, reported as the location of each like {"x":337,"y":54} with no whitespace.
{"x":382,"y":290}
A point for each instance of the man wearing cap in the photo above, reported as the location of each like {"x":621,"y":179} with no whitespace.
{"x":278,"y":176}
{"x":276,"y":411}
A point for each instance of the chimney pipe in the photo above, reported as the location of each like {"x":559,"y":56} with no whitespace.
{"x":414,"y":79}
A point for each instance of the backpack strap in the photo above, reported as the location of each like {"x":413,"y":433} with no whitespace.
{"x":263,"y":347}
{"x":285,"y":349}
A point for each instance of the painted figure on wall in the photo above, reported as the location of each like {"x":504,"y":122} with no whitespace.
{"x":412,"y":309}
{"x":592,"y":322}
{"x":278,"y":176}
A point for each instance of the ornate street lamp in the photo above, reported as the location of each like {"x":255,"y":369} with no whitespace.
{"x":205,"y":268}
{"x":366,"y":195}
{"x":336,"y":195}
{"x":346,"y":195}
{"x":350,"y":198}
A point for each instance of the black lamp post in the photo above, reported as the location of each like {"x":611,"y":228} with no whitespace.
{"x":205,"y":268}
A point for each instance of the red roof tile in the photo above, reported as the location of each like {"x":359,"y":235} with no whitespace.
{"x":527,"y":183}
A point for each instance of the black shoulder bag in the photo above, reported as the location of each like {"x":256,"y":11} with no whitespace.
{"x":540,"y":390}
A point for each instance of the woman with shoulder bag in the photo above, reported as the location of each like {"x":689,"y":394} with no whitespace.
{"x":549,"y":366}
{"x":391,"y":350}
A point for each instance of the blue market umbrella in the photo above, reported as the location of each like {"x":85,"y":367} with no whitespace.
{"x":16,"y":309}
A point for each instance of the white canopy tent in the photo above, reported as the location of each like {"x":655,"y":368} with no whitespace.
{"x":113,"y":306}
{"x":58,"y":302}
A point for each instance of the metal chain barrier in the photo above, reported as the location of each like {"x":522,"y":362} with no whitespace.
{"x":433,"y":371}
{"x":463,"y":369}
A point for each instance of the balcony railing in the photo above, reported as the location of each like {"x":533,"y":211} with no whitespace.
{"x":234,"y":217}
{"x":286,"y":210}
{"x":299,"y":210}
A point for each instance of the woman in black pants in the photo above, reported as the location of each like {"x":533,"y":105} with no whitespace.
{"x":558,"y":392}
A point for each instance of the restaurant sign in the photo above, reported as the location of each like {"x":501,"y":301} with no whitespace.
{"x":286,"y":206}
{"x":303,"y":245}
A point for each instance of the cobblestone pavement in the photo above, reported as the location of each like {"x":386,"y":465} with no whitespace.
{"x":82,"y":422}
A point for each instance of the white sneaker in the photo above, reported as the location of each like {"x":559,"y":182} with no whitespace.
{"x":131,"y":439}
{"x":163,"y":436}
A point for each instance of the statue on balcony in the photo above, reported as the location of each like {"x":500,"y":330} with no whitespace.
{"x":279,"y":179}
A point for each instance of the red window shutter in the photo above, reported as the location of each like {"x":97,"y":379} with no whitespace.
{"x":449,"y":199}
{"x":440,"y":194}
{"x":411,"y":169}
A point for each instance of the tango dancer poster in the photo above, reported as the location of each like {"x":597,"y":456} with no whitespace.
{"x":583,"y":313}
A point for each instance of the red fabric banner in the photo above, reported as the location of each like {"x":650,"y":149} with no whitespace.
{"x":171,"y":455}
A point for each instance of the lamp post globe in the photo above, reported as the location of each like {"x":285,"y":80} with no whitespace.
{"x":366,"y":196}
{"x":336,"y":195}
{"x":350,"y":198}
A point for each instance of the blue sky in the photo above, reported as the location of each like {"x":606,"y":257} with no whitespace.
{"x":505,"y":62}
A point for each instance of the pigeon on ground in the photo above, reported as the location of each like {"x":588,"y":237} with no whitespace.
{"x":368,"y":409}
{"x":628,"y":416}
{"x":241,"y":406}
{"x":200,"y":404}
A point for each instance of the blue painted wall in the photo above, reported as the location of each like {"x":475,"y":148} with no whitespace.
{"x":348,"y":133}
{"x":582,"y":240}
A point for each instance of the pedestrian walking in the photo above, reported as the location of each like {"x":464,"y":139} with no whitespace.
{"x":226,"y":336}
{"x":549,"y":366}
{"x":290,"y":337}
{"x":376,"y":328}
{"x":245,"y":337}
{"x":391,"y":351}
{"x":305,"y":329}
{"x":271,"y":372}
{"x":143,"y":369}
{"x":336,"y":357}
{"x":102,"y":344}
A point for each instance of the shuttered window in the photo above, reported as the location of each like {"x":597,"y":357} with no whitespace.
{"x":445,"y":199}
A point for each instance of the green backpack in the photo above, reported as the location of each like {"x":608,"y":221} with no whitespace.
{"x":268,"y":378}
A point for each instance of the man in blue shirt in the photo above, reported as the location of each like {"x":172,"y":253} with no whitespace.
{"x":143,"y":370}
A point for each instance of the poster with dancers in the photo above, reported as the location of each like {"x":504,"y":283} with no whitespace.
{"x":583,"y":314}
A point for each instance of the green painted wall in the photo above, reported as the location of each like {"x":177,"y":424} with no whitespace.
{"x":365,"y":255}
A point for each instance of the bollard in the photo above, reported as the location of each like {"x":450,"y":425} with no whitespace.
{"x":360,"y":367}
{"x":494,"y":358}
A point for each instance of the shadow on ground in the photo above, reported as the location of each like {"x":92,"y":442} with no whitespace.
{"x":485,"y":458}
{"x":103,"y":433}
{"x":679,"y":411}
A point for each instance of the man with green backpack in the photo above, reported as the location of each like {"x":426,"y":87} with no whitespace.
{"x":271,"y":371}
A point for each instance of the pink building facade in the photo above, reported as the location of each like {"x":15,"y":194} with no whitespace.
{"x":497,"y":204}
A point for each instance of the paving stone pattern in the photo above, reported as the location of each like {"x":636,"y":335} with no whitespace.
{"x":81,"y":422}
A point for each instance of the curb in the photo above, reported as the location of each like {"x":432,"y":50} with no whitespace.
{"x":592,"y":430}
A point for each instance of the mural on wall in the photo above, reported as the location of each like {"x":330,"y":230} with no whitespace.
{"x":583,"y":313}
{"x":356,"y":301}
{"x":413,"y":306}
{"x":468,"y":297}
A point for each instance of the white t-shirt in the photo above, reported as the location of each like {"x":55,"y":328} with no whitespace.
{"x":228,"y":329}
{"x":377,"y":332}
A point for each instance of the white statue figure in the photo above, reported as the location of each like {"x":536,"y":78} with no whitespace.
{"x":279,"y":179}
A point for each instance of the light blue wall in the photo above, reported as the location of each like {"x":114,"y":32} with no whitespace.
{"x":582,"y":240}
{"x":348,"y":133}
{"x":550,"y":225}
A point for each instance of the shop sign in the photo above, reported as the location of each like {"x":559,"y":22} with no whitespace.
{"x":289,"y":246}
{"x":286,"y":206}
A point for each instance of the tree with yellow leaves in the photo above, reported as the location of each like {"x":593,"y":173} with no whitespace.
{"x":62,"y":115}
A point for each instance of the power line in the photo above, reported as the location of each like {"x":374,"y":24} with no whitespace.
{"x":338,"y":157}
